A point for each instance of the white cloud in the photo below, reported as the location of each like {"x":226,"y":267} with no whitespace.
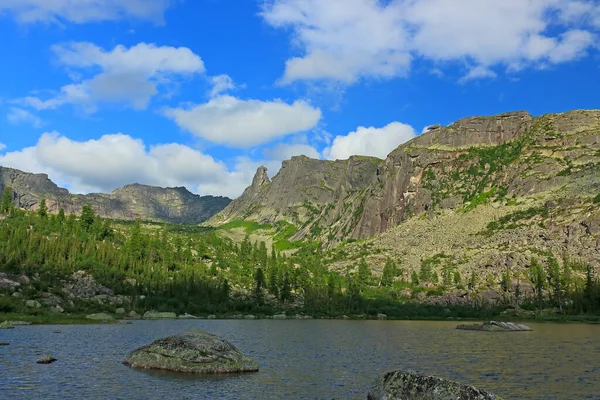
{"x":114,"y":160}
{"x":376,"y":142}
{"x":81,"y":11}
{"x":19,"y":116}
{"x":221,"y":83}
{"x":245,"y":123}
{"x":478,"y":72}
{"x":345,"y":40}
{"x":2,"y":147}
{"x":128,"y":75}
{"x":285,"y":151}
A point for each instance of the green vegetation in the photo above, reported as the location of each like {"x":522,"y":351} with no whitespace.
{"x":597,"y":199}
{"x":515,"y":219}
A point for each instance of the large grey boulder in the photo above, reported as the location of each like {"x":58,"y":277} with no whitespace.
{"x":409,"y":385}
{"x":193,"y":351}
{"x":495,"y":326}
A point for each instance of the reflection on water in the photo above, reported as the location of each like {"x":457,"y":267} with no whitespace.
{"x":304,"y":360}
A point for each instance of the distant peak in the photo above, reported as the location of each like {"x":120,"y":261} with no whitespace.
{"x":261,"y":177}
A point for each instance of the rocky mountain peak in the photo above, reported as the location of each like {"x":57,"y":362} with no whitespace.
{"x":260,"y":177}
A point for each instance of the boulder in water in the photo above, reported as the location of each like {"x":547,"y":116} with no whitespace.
{"x":408,"y":385}
{"x":4,"y":344}
{"x":46,"y":360}
{"x":193,"y":351}
{"x":494,"y":326}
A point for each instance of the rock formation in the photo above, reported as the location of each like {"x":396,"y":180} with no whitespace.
{"x":176,"y":205}
{"x":194,"y":351}
{"x":494,"y":326}
{"x":408,"y":385}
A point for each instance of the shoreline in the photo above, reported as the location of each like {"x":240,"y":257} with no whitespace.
{"x":82,"y":320}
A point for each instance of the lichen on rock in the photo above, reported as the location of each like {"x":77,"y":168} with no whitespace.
{"x":409,"y":385}
{"x":194,"y":351}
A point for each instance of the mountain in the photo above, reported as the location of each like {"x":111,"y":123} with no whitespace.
{"x":176,"y":205}
{"x":508,"y":183}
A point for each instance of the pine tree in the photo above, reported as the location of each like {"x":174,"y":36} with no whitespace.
{"x":389,"y":272}
{"x":6,"y":204}
{"x":538,"y":279}
{"x":43,"y":210}
{"x":61,"y":216}
{"x":87,"y":217}
{"x":259,"y":283}
{"x":364,"y":274}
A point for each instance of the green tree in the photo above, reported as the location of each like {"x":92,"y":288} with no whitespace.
{"x":364,"y":274}
{"x":414,"y":278}
{"x":61,"y":216}
{"x":538,"y":279}
{"x":389,"y":272}
{"x":425,"y":272}
{"x":43,"y":210}
{"x":457,"y":278}
{"x":6,"y":204}
{"x":87,"y":217}
{"x":259,"y":283}
{"x":556,"y":280}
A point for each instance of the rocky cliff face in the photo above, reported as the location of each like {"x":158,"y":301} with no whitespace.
{"x":176,"y":205}
{"x":319,"y":197}
{"x":472,"y":162}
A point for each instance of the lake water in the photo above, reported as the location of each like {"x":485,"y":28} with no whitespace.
{"x":315,"y":359}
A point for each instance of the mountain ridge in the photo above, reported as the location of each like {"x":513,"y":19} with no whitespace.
{"x":132,"y":201}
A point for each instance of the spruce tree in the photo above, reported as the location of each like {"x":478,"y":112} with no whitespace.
{"x":389,"y":272}
{"x":6,"y":204}
{"x":43,"y":210}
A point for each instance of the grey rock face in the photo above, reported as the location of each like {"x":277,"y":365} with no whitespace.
{"x":176,"y":205}
{"x":408,"y":385}
{"x":194,"y":351}
{"x":494,"y":326}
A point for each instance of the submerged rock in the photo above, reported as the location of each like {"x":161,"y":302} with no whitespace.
{"x":408,"y":385}
{"x":4,"y":344}
{"x":46,"y":360}
{"x":494,"y":326}
{"x":193,"y":351}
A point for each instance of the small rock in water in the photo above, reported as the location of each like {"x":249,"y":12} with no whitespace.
{"x":4,"y":344}
{"x":57,"y":331}
{"x":193,"y":351}
{"x":46,"y":360}
{"x":409,"y":385}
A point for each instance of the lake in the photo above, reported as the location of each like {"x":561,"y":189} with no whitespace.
{"x":314,"y":359}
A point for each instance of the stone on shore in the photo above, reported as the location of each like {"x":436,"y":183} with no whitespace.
{"x":6,"y":325}
{"x":99,"y":317}
{"x":408,"y":385}
{"x":159,"y":315}
{"x":193,"y":351}
{"x":495,"y":326}
{"x":381,"y":316}
{"x":279,"y":316}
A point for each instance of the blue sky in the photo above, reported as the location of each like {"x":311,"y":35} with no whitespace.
{"x":101,"y":93}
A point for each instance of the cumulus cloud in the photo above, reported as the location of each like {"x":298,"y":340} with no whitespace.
{"x":19,"y":116}
{"x":127,"y":75}
{"x":2,"y":147}
{"x":345,"y":40}
{"x":244,"y":123}
{"x":101,"y":165}
{"x":376,"y":142}
{"x":221,"y":83}
{"x":478,"y":72}
{"x":82,"y":11}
